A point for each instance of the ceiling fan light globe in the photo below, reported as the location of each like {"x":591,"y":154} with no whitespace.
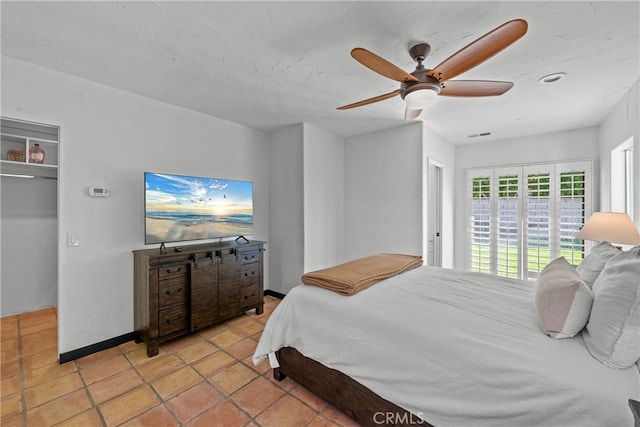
{"x":420,"y":99}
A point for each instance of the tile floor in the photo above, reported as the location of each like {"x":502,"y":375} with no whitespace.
{"x":203,"y":379}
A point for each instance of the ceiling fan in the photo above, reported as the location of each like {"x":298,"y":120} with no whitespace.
{"x":422,"y":84}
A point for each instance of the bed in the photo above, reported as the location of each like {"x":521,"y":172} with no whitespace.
{"x":443,"y":347}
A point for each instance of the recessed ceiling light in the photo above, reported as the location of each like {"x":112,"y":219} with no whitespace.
{"x":552,"y":78}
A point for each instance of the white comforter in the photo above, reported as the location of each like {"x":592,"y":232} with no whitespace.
{"x":455,"y":348}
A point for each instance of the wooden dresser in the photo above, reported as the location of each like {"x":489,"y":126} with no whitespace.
{"x":194,"y":287}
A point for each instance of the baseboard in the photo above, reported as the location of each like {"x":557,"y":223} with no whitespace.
{"x":94,"y":348}
{"x":113,"y":342}
{"x":274,"y":294}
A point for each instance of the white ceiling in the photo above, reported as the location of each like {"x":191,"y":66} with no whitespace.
{"x":269,"y":64}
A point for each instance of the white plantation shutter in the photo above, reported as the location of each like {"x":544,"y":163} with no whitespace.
{"x":573,"y":207}
{"x":522,"y":217}
{"x":539,"y":208}
{"x":508,"y":222}
{"x":480,"y":221}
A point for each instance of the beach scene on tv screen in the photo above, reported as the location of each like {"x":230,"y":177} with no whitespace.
{"x":179,"y":208}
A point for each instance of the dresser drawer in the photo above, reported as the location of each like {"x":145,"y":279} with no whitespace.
{"x":172,"y":291}
{"x":250,"y":295}
{"x":250,"y":274}
{"x":172,"y":271}
{"x":250,"y":256}
{"x":172,"y":319}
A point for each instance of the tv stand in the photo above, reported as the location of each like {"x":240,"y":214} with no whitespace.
{"x":179,"y":292}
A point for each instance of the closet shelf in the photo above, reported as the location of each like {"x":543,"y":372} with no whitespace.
{"x":28,"y":169}
{"x":18,"y":137}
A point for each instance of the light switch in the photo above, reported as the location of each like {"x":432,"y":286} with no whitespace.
{"x":72,"y":239}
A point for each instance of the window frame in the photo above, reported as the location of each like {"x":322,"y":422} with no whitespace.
{"x":622,"y":177}
{"x":628,"y":180}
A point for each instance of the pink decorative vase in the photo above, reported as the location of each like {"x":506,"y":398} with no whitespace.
{"x":36,"y":154}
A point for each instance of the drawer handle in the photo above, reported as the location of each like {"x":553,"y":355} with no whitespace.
{"x":247,"y":258}
{"x":177,"y":319}
{"x":178,"y":270}
{"x":247,"y":274}
{"x":249,"y":296}
{"x":168,"y":291}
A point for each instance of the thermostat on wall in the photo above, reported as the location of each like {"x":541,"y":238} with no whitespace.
{"x":98,"y":191}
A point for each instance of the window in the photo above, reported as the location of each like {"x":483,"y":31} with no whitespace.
{"x":628,"y":180}
{"x":622,"y":178}
{"x":522,"y":217}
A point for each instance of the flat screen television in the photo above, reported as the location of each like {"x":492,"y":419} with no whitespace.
{"x":180,"y":208}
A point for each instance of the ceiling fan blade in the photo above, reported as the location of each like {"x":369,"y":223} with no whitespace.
{"x":411,"y":114}
{"x":480,"y":50}
{"x":371,"y":100}
{"x":381,"y":65}
{"x":474,"y":88}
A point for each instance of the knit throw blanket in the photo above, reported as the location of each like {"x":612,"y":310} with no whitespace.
{"x":354,"y":276}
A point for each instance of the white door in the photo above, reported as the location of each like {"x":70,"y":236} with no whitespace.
{"x":434,"y":214}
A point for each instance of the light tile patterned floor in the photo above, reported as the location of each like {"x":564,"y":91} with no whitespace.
{"x":203,"y":379}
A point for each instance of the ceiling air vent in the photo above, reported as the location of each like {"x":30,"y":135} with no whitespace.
{"x":480,"y":134}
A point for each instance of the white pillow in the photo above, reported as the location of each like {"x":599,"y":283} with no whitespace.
{"x":563,"y":300}
{"x":613,"y":331}
{"x":592,"y":264}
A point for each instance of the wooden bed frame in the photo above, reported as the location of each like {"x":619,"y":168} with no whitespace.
{"x":343,"y":392}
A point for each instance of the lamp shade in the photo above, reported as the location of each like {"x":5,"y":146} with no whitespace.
{"x":612,"y":227}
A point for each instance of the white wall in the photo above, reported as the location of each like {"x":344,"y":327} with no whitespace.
{"x":323,"y":198}
{"x":29,"y":244}
{"x":109,"y":138}
{"x":579,"y":144}
{"x":306,"y":205}
{"x":622,"y":123}
{"x":383,"y":192}
{"x":441,"y":151}
{"x":286,"y":205}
